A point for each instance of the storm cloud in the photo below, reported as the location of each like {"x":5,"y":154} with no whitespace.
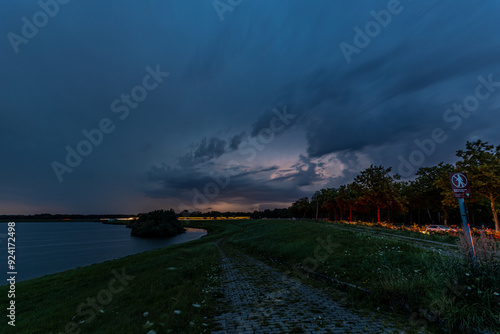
{"x":432,"y":68}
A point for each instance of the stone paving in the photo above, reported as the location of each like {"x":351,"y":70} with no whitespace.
{"x":258,"y":299}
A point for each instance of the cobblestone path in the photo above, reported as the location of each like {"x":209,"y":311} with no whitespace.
{"x":258,"y":299}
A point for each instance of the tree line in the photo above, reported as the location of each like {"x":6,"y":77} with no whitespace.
{"x":377,"y":194}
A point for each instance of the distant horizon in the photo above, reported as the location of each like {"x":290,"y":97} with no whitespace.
{"x":124,"y":214}
{"x":183,"y":207}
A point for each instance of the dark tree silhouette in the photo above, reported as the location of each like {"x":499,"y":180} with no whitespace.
{"x":156,"y":224}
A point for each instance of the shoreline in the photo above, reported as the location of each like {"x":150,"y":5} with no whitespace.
{"x":35,"y":273}
{"x":124,"y":289}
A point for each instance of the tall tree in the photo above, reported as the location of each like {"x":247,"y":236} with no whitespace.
{"x":408,"y":192}
{"x":481,"y":161}
{"x":342,"y":199}
{"x":427,"y":194}
{"x":330,"y":201}
{"x":300,"y":207}
{"x":317,"y":202}
{"x":348,"y":197}
{"x":378,"y":189}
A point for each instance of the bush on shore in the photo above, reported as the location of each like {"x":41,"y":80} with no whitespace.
{"x":156,"y":224}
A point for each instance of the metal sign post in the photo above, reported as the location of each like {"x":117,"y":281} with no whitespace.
{"x":461,"y":189}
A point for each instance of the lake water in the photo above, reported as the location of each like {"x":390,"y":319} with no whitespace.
{"x":47,"y":248}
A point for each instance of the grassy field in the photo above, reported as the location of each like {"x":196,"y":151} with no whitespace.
{"x":175,"y":285}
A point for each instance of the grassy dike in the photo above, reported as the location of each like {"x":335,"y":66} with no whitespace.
{"x":420,"y":285}
{"x":424,"y":287}
{"x":173,"y":284}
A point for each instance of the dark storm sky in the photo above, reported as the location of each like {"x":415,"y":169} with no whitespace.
{"x":128,"y":106}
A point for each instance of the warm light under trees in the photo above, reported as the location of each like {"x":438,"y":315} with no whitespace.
{"x":374,"y":189}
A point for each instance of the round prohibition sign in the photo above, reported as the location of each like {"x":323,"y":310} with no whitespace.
{"x":459,"y":180}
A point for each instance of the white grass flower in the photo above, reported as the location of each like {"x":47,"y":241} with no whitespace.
{"x":148,"y":324}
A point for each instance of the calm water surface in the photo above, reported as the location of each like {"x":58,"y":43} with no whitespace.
{"x":47,"y":248}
